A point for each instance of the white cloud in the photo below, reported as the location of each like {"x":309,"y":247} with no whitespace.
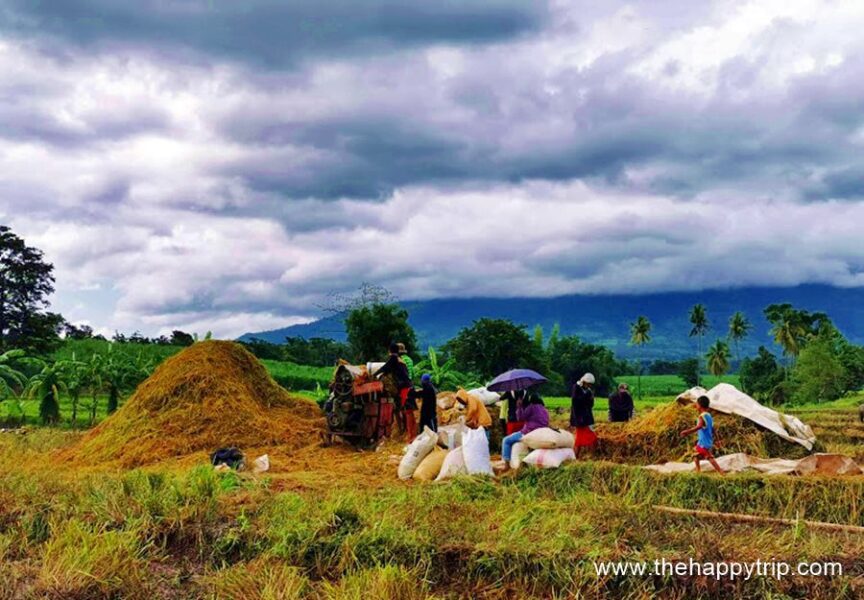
{"x":620,"y":148}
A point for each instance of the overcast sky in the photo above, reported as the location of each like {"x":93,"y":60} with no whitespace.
{"x":223,"y":165}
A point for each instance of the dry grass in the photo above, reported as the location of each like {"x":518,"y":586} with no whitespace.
{"x":213,"y":394}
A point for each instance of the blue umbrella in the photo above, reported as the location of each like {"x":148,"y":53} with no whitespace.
{"x":516,"y":379}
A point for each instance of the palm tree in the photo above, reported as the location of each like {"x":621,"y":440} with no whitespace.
{"x":639,"y":336}
{"x":718,"y":358}
{"x":699,"y":320}
{"x":739,"y":328}
{"x":47,"y":385}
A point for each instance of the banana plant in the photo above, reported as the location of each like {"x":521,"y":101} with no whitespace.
{"x":77,"y":374}
{"x":10,"y":377}
{"x":47,"y":386}
{"x":11,"y":381}
{"x":443,"y":375}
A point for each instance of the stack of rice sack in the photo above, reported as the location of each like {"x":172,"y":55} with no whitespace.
{"x":425,"y":460}
{"x":545,"y":447}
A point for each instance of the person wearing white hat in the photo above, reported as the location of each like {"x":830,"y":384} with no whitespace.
{"x":582,"y":413}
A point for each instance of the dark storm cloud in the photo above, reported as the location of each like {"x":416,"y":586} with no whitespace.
{"x":225,"y":165}
{"x":271,"y":32}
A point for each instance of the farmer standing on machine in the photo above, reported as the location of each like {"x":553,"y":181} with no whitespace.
{"x":396,"y":367}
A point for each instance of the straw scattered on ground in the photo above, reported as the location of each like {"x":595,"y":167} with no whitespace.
{"x":655,"y":437}
{"x":213,"y":394}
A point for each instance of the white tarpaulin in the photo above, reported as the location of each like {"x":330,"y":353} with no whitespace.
{"x":728,"y":399}
{"x":817,"y":464}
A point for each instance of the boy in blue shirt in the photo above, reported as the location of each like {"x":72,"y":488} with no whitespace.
{"x":705,"y":439}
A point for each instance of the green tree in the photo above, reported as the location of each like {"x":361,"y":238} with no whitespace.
{"x":181,"y":338}
{"x":818,"y":373}
{"x":491,"y":346}
{"x":47,"y":385}
{"x":739,"y":328}
{"x":761,"y":375}
{"x":688,"y":371}
{"x":571,"y":358}
{"x":700,"y":326}
{"x":26,"y":281}
{"x":371,"y":329}
{"x":640,"y":334}
{"x":792,"y":328}
{"x":718,"y":358}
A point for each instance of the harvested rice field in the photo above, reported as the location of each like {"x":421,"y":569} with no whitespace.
{"x":123,"y":511}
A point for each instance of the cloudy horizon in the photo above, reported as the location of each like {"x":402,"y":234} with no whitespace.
{"x":224,"y":166}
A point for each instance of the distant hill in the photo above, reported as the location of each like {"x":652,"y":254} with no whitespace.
{"x":605,"y":319}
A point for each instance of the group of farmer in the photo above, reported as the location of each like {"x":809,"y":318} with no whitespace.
{"x":522,"y":411}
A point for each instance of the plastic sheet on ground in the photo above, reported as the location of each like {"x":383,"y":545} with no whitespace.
{"x":817,"y":464}
{"x":726,"y":398}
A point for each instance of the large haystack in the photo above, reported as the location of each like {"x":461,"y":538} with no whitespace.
{"x":211,"y":395}
{"x":655,"y":437}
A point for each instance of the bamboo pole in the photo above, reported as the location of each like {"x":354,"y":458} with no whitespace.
{"x":758,"y":519}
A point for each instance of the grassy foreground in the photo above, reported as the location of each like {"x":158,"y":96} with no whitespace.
{"x":344,"y":527}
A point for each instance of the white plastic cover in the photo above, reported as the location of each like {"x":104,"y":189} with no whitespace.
{"x":726,"y":398}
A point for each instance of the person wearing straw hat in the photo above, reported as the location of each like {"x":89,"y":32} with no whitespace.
{"x":582,"y":413}
{"x":409,"y":362}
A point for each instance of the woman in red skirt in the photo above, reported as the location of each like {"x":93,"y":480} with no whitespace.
{"x":582,"y":413}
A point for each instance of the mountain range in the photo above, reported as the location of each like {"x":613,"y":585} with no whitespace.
{"x":605,"y":319}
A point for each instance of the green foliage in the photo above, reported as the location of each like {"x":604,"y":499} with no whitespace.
{"x":818,"y":375}
{"x":718,"y":358}
{"x":47,"y":386}
{"x":571,"y":358}
{"x":298,"y":377}
{"x":444,"y":375}
{"x":491,"y":346}
{"x":26,"y":281}
{"x":739,"y":328}
{"x":761,"y":375}
{"x":372,"y":328}
{"x":315,"y":351}
{"x":700,"y":326}
{"x":792,"y":328}
{"x":639,"y":336}
{"x":11,"y":378}
{"x":852,"y":359}
{"x":688,"y":371}
{"x":181,"y":338}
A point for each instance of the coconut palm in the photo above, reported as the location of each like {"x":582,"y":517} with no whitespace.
{"x":699,"y":321}
{"x":718,"y":358}
{"x":639,"y":336}
{"x":739,"y":328}
{"x":47,"y":385}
